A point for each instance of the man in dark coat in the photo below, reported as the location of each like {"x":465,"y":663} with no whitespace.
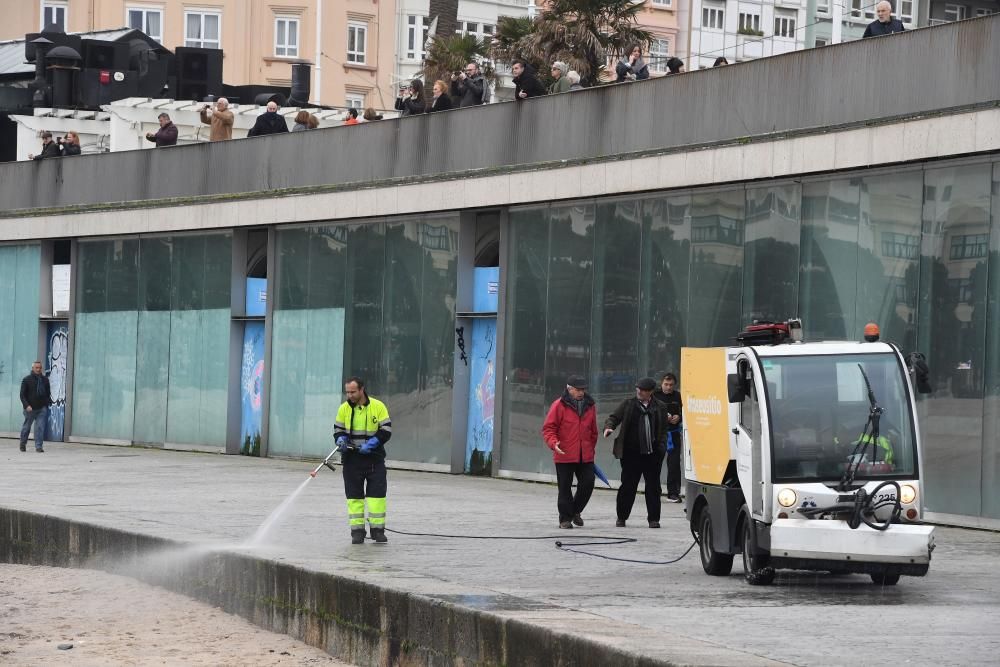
{"x":526,"y":84}
{"x":49,"y":148}
{"x":668,"y":395}
{"x":166,"y":135}
{"x":884,"y":24}
{"x":640,"y":447}
{"x":468,"y":87}
{"x":269,"y":122}
{"x":35,"y":400}
{"x":570,"y":431}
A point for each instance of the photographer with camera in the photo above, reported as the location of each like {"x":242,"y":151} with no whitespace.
{"x":70,"y":145}
{"x":469,"y":86}
{"x":411,"y":99}
{"x":220,"y":118}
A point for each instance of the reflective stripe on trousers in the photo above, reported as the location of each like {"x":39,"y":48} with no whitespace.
{"x":356,"y":513}
{"x":376,"y":511}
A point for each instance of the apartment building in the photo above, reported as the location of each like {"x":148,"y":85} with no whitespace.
{"x":347,"y":40}
{"x":742,"y":31}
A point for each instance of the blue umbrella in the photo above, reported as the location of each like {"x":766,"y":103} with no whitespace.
{"x":600,"y":475}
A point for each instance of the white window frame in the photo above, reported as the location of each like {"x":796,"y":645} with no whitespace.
{"x":288,"y":49}
{"x":145,"y":11}
{"x":821,"y":41}
{"x":784,"y":26}
{"x":663,"y":3}
{"x":357,"y":56}
{"x":354,"y":101}
{"x":56,"y":6}
{"x":960,"y":12}
{"x":748,"y":20}
{"x":201,"y":42}
{"x":658,"y":56}
{"x":866,"y":6}
{"x":713,"y":17}
{"x":905,"y":9}
{"x":823,"y":6}
{"x":417,"y":30}
{"x":985,"y":11}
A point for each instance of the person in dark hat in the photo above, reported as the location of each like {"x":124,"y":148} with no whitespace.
{"x":640,"y":446}
{"x":570,"y":431}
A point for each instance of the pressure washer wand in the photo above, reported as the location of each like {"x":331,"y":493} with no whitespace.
{"x":326,"y":462}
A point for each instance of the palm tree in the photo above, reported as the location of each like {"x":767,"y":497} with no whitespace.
{"x":452,"y":53}
{"x":510,"y":41}
{"x":446,"y":12}
{"x":585,"y":33}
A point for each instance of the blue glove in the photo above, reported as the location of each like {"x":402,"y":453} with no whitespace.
{"x":670,"y":441}
{"x":342,"y":443}
{"x":369,"y":446}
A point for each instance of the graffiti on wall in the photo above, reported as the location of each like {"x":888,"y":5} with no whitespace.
{"x":57,"y":347}
{"x":251,"y":388}
{"x":482,"y":394}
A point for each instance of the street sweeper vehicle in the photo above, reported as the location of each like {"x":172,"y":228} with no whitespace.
{"x":805,"y":456}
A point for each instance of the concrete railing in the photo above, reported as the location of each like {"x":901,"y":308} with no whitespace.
{"x":910,"y":74}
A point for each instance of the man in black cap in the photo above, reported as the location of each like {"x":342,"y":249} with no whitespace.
{"x":640,"y":447}
{"x":570,"y":431}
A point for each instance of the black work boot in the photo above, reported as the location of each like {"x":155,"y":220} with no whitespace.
{"x":378,"y":534}
{"x":357,"y":536}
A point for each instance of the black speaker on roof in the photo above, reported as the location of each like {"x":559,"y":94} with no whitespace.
{"x":99,"y":54}
{"x":100,"y":86}
{"x":199,"y":72}
{"x":57,"y":39}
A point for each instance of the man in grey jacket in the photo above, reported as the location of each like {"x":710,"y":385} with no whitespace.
{"x":468,"y":88}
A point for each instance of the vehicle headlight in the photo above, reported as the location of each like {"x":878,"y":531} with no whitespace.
{"x":786,"y":497}
{"x":907,"y":494}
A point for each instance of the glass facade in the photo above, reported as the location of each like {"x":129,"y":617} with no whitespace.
{"x":19,"y":274}
{"x":377,"y":301}
{"x":152,"y":339}
{"x":612,"y":289}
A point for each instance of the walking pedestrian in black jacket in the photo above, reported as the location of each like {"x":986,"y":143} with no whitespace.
{"x":642,"y":432}
{"x":35,"y":400}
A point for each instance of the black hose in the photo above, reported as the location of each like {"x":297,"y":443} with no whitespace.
{"x":603,"y":540}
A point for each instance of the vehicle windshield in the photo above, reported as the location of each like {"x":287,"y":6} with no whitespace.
{"x":819,"y":409}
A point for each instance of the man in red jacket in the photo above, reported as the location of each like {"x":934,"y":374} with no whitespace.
{"x":570,"y":431}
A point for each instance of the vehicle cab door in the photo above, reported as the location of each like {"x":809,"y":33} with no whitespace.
{"x":748,"y":439}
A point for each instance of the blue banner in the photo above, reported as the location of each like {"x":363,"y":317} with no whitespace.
{"x":482,"y":394}
{"x":56,"y":349}
{"x":251,"y":387}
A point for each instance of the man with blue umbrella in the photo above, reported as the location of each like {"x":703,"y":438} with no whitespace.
{"x":570,"y":431}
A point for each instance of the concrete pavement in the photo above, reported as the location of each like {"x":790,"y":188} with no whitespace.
{"x":642,"y":614}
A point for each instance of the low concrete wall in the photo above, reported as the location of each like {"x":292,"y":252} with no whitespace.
{"x":353,"y":620}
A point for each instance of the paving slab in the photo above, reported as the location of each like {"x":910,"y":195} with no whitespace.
{"x":662,"y":614}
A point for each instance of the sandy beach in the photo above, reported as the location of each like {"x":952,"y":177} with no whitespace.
{"x":115,"y":620}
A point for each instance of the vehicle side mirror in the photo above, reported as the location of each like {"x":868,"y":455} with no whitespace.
{"x":917,"y":364}
{"x":736,"y":387}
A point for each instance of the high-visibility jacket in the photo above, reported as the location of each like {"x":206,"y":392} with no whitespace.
{"x":882,"y":443}
{"x":361,"y":422}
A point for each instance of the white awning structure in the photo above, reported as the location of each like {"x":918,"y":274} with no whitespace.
{"x":122,"y":125}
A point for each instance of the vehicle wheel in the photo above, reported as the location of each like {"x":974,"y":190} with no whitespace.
{"x":885,"y":579}
{"x":712,"y":561}
{"x":756,"y":570}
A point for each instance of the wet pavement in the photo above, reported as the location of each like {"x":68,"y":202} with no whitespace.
{"x":668,"y":612}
